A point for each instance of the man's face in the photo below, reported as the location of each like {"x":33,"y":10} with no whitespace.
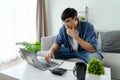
{"x":70,"y":22}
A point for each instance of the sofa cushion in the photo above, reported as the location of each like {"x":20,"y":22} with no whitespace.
{"x":42,"y":53}
{"x":46,"y":42}
{"x":110,"y":41}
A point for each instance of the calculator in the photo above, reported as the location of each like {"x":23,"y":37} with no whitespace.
{"x":58,"y":71}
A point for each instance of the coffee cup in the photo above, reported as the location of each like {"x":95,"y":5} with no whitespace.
{"x":80,"y":70}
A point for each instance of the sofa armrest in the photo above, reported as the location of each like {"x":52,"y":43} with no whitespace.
{"x":46,"y":42}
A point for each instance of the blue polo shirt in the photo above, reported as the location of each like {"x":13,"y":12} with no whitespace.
{"x":85,"y":31}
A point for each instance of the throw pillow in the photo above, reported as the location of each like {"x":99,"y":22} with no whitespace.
{"x":110,"y":41}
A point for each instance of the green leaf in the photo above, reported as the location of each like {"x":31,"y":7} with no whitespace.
{"x":95,"y":67}
{"x":82,"y":18}
{"x":32,"y":47}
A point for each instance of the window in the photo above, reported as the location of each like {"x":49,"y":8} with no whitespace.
{"x":17,"y":23}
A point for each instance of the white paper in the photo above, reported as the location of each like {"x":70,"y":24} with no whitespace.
{"x":68,"y":65}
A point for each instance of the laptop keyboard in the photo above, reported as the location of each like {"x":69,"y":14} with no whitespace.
{"x":45,"y":64}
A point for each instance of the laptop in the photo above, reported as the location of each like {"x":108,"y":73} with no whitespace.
{"x":39,"y":62}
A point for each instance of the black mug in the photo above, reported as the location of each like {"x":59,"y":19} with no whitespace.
{"x":80,"y":70}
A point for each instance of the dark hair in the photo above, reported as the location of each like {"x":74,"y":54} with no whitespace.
{"x":68,"y":12}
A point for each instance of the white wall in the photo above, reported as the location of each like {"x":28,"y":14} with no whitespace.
{"x":104,"y":14}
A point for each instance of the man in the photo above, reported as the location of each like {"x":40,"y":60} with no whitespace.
{"x":77,"y":37}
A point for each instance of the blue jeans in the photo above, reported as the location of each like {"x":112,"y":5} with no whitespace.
{"x":64,"y":53}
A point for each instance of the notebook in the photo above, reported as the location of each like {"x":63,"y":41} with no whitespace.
{"x":39,"y":62}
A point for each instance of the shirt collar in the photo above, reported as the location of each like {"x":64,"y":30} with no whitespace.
{"x":79,"y":25}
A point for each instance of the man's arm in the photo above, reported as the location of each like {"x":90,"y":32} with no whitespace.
{"x":84,"y":44}
{"x":50,"y":53}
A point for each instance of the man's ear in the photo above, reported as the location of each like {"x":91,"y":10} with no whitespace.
{"x":76,"y":18}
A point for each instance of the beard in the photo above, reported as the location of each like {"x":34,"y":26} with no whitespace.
{"x":74,"y":25}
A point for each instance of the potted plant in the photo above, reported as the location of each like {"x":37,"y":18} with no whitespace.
{"x":95,"y":66}
{"x":82,"y":18}
{"x":32,"y":47}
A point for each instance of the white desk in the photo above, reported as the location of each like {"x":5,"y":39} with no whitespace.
{"x":25,"y":71}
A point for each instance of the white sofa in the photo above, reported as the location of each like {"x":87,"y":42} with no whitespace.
{"x":111,"y":59}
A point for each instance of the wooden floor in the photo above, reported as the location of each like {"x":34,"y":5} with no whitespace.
{"x":11,"y":63}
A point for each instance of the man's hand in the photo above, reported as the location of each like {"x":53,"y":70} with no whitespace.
{"x":49,"y":55}
{"x":71,"y":32}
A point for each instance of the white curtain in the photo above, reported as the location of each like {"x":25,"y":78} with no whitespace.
{"x":41,"y":22}
{"x":17,"y":24}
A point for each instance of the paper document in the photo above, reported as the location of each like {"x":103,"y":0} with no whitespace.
{"x":67,"y":65}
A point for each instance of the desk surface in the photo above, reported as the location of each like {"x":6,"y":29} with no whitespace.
{"x":24,"y":71}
